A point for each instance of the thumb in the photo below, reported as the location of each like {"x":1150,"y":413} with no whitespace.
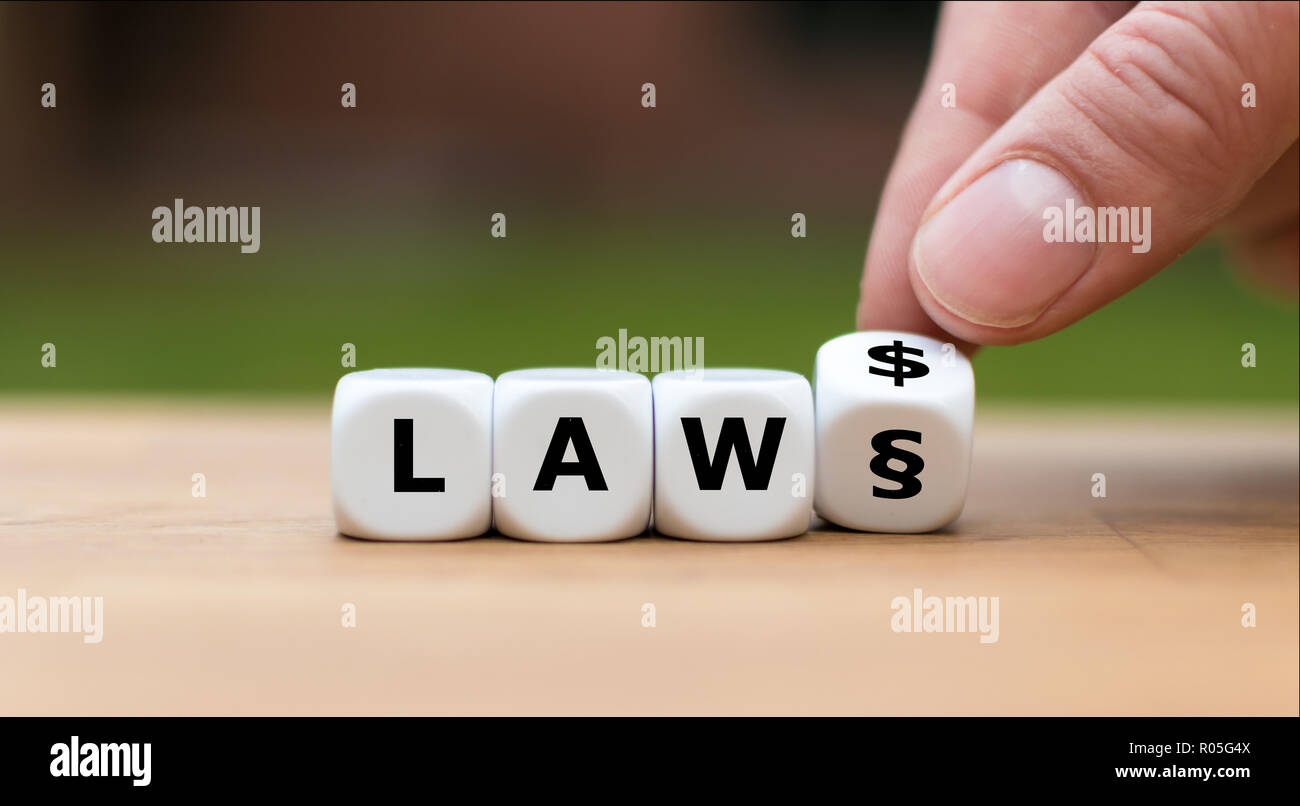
{"x":1113,"y":169}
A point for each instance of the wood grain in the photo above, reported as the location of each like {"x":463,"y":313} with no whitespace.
{"x":231,"y":604}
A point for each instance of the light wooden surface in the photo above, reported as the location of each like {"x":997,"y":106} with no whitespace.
{"x":231,"y":604}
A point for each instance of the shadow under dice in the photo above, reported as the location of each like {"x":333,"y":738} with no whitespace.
{"x":733,"y":454}
{"x":895,"y":413}
{"x":572,"y":454}
{"x":411,"y":453}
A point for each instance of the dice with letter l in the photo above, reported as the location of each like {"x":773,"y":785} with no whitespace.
{"x":411,"y":454}
{"x":895,"y":413}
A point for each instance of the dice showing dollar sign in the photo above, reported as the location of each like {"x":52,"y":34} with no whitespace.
{"x":894,"y":418}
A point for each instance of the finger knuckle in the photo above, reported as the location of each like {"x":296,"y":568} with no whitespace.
{"x":1155,"y":85}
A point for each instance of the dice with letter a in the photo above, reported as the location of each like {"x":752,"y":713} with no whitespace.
{"x":572,"y":454}
{"x":895,"y":413}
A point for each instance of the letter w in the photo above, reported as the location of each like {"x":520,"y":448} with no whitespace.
{"x":710,"y":472}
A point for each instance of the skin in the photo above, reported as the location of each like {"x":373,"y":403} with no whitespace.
{"x":1120,"y":104}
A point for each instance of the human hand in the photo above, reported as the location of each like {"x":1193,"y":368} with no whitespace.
{"x":1109,"y":104}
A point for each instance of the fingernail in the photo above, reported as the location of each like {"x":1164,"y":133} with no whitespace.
{"x":984,"y":255}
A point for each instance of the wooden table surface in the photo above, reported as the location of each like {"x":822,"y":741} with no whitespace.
{"x":232,"y":604}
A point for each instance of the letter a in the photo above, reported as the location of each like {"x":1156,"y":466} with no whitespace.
{"x":570,"y":430}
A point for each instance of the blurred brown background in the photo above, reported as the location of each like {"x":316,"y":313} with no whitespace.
{"x":456,"y":101}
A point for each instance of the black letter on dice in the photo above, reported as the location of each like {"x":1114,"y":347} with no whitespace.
{"x":404,"y":480}
{"x":882,"y":444}
{"x":733,"y":436}
{"x":570,"y":429}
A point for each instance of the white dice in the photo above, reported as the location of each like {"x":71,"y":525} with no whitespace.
{"x":895,"y":413}
{"x":411,"y":454}
{"x":573,"y":454}
{"x":733,"y":454}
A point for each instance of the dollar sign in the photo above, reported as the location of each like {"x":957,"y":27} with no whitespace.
{"x":908,"y":483}
{"x":895,"y":356}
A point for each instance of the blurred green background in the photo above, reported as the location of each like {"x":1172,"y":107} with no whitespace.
{"x":209,"y":321}
{"x":375,"y":221}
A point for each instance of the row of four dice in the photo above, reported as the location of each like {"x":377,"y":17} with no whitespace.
{"x":714,"y":454}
